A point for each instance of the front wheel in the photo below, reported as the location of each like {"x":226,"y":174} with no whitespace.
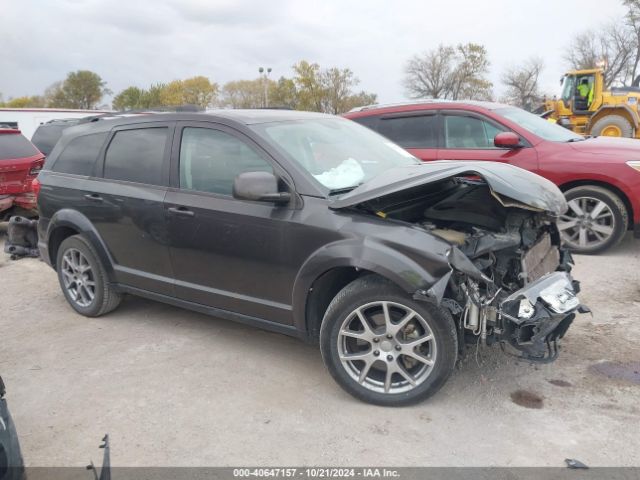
{"x":385,"y":348}
{"x":595,"y":221}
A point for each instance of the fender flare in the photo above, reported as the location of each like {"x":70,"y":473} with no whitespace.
{"x":633,"y":115}
{"x":77,"y":221}
{"x":371,"y":255}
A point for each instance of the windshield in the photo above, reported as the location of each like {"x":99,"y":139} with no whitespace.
{"x":339,"y":153}
{"x":538,"y":125}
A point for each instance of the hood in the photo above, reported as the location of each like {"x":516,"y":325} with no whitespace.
{"x":512,"y":186}
{"x":629,"y":148}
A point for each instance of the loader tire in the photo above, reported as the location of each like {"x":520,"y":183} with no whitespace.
{"x":612,"y":126}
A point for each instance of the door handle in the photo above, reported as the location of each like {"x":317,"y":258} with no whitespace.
{"x":94,"y":197}
{"x":181,"y":212}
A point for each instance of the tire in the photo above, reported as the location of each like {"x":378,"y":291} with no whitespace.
{"x":616,"y":124}
{"x":599,"y":234}
{"x":77,"y":250}
{"x":370,"y":294}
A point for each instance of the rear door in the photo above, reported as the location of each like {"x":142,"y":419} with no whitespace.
{"x":469,"y":136}
{"x":126,"y":204}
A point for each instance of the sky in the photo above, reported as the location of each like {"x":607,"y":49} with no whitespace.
{"x":139,"y":42}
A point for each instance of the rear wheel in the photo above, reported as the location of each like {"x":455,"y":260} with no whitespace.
{"x":383,"y":347}
{"x":595,"y":221}
{"x":83,"y":278}
{"x":612,"y":126}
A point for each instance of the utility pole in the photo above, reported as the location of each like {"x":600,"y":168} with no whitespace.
{"x":264,"y":73}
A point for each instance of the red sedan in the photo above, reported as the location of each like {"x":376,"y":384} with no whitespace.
{"x":600,"y":176}
{"x":20,"y":163}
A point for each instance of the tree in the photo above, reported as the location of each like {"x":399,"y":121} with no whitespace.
{"x":326,"y":90}
{"x":34,"y":101}
{"x":129,"y":99}
{"x":612,"y":47}
{"x":449,"y":73}
{"x":81,"y":89}
{"x":283,"y":93}
{"x":522,"y":84}
{"x":243,"y":93}
{"x":199,"y":91}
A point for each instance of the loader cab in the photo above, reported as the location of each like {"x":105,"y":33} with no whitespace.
{"x":578,"y":92}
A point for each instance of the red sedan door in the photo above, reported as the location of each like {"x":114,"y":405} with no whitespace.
{"x":469,"y":136}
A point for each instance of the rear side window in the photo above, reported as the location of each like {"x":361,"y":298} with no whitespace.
{"x":15,"y":145}
{"x":80,"y":154}
{"x":136,"y":155}
{"x":411,"y":132}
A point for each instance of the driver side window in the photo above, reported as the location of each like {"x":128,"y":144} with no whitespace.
{"x":469,"y":132}
{"x":210,"y":160}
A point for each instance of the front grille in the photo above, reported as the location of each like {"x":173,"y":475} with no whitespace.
{"x":540,"y":259}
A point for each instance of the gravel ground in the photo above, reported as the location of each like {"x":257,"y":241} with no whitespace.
{"x":173,"y":387}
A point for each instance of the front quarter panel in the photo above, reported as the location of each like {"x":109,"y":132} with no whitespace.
{"x":408,"y":256}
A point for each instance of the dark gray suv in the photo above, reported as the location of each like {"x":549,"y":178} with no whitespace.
{"x":316,"y":227}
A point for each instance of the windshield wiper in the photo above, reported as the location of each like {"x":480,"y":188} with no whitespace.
{"x":580,"y":139}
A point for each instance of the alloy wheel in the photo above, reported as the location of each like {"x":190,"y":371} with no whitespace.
{"x":589,"y":223}
{"x":387,"y":347}
{"x":78,"y":277}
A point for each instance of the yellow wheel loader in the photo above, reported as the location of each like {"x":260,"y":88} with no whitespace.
{"x":585,"y":107}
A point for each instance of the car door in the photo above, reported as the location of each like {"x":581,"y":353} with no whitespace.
{"x":126,"y":204}
{"x":227,"y":253}
{"x":416,"y":132}
{"x":469,"y":136}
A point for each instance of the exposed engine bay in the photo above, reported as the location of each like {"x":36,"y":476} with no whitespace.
{"x":510,"y":281}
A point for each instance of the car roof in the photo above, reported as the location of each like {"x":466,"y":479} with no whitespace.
{"x":421,"y":104}
{"x":244,"y":117}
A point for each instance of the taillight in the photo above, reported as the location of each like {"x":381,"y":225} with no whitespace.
{"x":35,"y":168}
{"x":35,"y":186}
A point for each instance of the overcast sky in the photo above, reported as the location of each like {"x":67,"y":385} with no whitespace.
{"x":137,"y":42}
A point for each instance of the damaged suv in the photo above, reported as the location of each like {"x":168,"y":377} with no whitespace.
{"x":316,"y":227}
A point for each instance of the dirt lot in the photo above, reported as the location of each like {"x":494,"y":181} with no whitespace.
{"x":173,"y":387}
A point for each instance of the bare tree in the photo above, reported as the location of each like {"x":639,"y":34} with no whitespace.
{"x":429,"y":75}
{"x":613,"y":47}
{"x":449,"y":73}
{"x":523,"y":89}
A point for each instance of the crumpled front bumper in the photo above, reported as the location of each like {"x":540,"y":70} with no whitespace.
{"x":538,"y":315}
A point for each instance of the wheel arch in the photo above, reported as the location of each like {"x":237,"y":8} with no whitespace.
{"x":66,"y":223}
{"x":623,"y":110}
{"x":607,"y":186}
{"x":334,"y":266}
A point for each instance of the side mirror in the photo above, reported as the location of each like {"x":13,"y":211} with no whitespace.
{"x":259,"y":187}
{"x":507,"y":140}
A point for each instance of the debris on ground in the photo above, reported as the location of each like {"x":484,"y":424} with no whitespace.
{"x":22,"y":238}
{"x":575,"y":464}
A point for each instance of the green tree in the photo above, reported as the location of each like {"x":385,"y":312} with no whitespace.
{"x":308,"y":81}
{"x":283,"y":93}
{"x":81,"y":89}
{"x":34,"y":101}
{"x":152,"y":97}
{"x":129,"y":99}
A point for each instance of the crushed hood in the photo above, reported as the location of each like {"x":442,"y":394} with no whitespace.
{"x":512,"y":186}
